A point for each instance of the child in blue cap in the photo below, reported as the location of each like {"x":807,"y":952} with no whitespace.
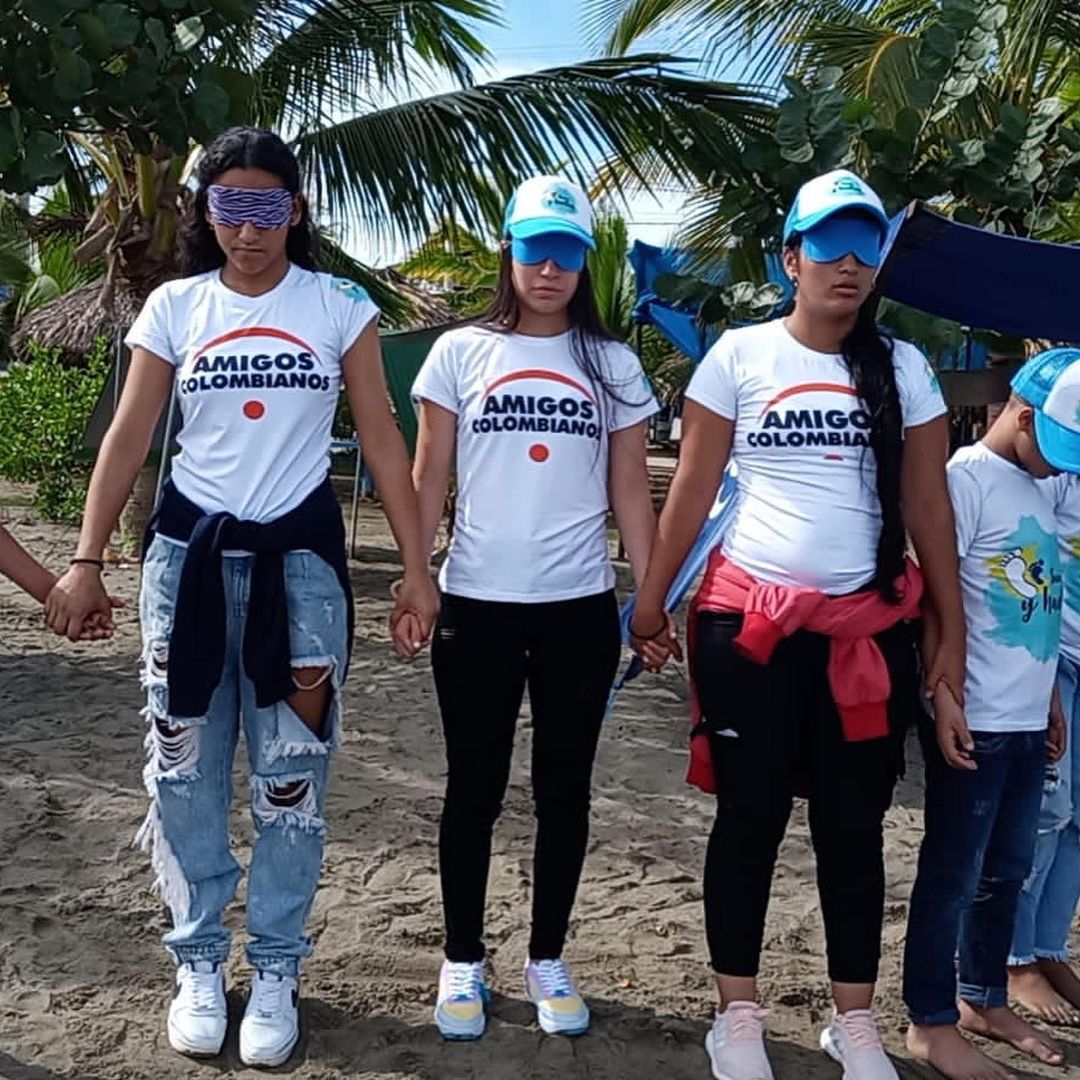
{"x":1040,"y":976}
{"x":986,"y":753}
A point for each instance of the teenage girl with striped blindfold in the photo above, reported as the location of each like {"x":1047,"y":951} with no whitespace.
{"x":246,"y":611}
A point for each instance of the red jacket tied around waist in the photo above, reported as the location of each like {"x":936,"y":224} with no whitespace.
{"x":858,"y":674}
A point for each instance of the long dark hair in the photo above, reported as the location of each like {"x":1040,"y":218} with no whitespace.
{"x":243,"y":148}
{"x":868,"y":354}
{"x":588,"y":333}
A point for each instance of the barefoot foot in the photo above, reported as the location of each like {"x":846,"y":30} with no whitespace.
{"x":1063,"y":979}
{"x":1032,"y":989}
{"x":1004,"y":1025}
{"x":943,"y":1047}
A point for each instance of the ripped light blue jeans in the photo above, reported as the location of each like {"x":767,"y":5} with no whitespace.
{"x":189,"y":768}
{"x":1049,"y":896}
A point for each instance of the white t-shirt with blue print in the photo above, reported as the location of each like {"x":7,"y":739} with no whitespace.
{"x":1010,"y":573}
{"x":257,"y":381}
{"x":1066,"y":495}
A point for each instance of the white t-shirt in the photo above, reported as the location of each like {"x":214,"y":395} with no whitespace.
{"x":532,"y":461}
{"x":1065,"y":491}
{"x":808,"y":512}
{"x":258,"y":379}
{"x":1006,"y":537}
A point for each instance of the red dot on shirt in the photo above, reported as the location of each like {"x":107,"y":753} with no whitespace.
{"x":539,"y":452}
{"x":253,"y":410}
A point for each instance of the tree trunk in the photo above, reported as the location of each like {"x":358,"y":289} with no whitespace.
{"x":137,"y":510}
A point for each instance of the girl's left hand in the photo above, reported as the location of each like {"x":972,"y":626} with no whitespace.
{"x":415,"y":609}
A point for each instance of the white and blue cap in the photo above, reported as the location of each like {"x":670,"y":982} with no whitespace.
{"x":837,"y":214}
{"x":550,"y":204}
{"x":1050,"y":384}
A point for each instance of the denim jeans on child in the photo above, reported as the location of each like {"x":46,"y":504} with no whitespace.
{"x":976,"y":853}
{"x":1048,"y":899}
{"x":189,"y":768}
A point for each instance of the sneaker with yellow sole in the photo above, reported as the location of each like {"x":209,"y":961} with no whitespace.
{"x":459,"y":1011}
{"x":560,"y":1009}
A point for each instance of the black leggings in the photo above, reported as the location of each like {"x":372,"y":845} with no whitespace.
{"x":774,"y":730}
{"x":484,"y":654}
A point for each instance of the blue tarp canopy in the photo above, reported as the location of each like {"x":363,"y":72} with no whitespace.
{"x":983,"y":279}
{"x":977,"y":278}
{"x":676,"y":322}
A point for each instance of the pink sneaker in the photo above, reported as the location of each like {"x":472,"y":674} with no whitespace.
{"x":736,"y":1045}
{"x":852,"y":1039}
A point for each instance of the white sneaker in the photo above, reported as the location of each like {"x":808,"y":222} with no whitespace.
{"x":736,"y":1043}
{"x":197,"y":1019}
{"x":271,"y":1023}
{"x":852,"y":1039}
{"x":560,"y":1009}
{"x":459,"y":1011}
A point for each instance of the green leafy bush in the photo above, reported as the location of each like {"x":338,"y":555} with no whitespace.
{"x":44,"y":409}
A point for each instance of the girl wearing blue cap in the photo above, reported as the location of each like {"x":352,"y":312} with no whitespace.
{"x":801,"y":652}
{"x":245,"y":607}
{"x":545,"y":416}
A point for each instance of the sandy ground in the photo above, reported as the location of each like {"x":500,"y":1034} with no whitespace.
{"x":84,"y":982}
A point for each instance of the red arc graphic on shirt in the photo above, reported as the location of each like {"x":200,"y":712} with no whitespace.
{"x":258,"y":331}
{"x":539,"y":373}
{"x":808,"y":388}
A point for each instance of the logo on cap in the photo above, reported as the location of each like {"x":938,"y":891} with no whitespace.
{"x":847,"y":185}
{"x":561,"y":199}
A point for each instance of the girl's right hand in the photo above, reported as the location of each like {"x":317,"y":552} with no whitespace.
{"x":79,"y":600}
{"x":656,"y":650}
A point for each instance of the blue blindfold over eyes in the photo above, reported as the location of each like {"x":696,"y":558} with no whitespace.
{"x":844,"y":234}
{"x":265,"y":208}
{"x":565,"y":251}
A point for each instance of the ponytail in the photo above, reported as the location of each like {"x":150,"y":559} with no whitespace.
{"x":868,"y":354}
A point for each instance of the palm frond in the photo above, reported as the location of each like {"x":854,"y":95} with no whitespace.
{"x":401,"y":171}
{"x":765,"y":35}
{"x":315,"y":58}
{"x":878,"y":62}
{"x":613,"y":282}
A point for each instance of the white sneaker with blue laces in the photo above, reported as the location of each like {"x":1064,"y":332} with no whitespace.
{"x":459,"y":1011}
{"x":560,"y":1009}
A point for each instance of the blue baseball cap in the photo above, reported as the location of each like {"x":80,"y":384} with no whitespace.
{"x":564,"y":249}
{"x":849,"y":232}
{"x":1050,"y":384}
{"x":829,"y":194}
{"x":550,"y":204}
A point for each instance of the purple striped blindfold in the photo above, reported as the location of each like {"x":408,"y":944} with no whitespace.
{"x":265,"y":208}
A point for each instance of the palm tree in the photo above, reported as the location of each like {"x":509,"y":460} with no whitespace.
{"x":320,"y":72}
{"x":873,"y":41}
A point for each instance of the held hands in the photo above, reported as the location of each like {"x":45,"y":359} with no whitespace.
{"x":661,"y":642}
{"x":416,"y":606}
{"x":79,"y":608}
{"x":953,"y":737}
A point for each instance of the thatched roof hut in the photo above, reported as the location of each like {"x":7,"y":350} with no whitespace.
{"x":74,"y":322}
